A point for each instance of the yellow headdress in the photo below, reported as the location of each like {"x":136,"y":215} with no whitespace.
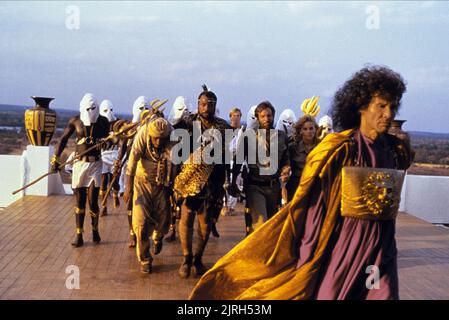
{"x":310,"y":106}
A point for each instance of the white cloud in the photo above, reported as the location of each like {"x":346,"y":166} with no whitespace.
{"x":428,"y":4}
{"x":429,"y":77}
{"x":324,"y":22}
{"x":179,"y":66}
{"x":130,"y":19}
{"x":300,"y":6}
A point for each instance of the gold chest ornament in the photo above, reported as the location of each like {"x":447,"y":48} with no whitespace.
{"x":371,"y":193}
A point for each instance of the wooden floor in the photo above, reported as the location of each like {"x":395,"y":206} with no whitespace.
{"x":35,"y":251}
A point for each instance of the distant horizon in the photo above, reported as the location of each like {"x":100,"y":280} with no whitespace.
{"x":245,"y":51}
{"x":129,"y":115}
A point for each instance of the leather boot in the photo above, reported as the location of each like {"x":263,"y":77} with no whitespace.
{"x":184,"y":269}
{"x":213,"y":229}
{"x":248,"y":222}
{"x":79,"y":242}
{"x":79,"y":220}
{"x":116,"y":199}
{"x":171,"y":236}
{"x":157,"y":243}
{"x":198,"y":268}
{"x":104,"y":211}
{"x":132,"y":235}
{"x":132,"y":240}
{"x":95,"y":234}
{"x":146,"y":267}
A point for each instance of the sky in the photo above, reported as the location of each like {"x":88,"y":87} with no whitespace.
{"x":246,"y":52}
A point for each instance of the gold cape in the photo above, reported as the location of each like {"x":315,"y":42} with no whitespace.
{"x":263,"y":265}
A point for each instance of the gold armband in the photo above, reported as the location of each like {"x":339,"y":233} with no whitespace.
{"x":371,"y":193}
{"x":55,"y":160}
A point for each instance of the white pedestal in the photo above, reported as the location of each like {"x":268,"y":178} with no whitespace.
{"x":10,"y":179}
{"x":36,"y":164}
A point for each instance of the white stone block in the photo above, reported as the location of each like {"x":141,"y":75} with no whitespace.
{"x":37,"y":163}
{"x":10,"y":179}
{"x":426,"y":197}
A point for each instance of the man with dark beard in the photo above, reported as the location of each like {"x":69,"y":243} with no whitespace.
{"x":263,"y":191}
{"x":207,"y":204}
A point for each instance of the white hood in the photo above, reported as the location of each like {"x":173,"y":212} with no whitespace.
{"x":107,"y":110}
{"x":181,"y":108}
{"x":89,"y":109}
{"x":141,"y":103}
{"x":326,"y":125}
{"x":251,"y":120}
{"x":286,"y":121}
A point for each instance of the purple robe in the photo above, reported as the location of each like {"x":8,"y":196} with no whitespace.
{"x":355,"y":243}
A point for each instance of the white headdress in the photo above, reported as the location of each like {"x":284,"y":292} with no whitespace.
{"x":89,"y":109}
{"x":286,"y":121}
{"x":251,"y":120}
{"x":141,"y":103}
{"x":326,"y":125}
{"x":180,"y":109}
{"x":107,"y":110}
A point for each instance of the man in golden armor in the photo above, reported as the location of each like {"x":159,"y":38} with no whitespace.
{"x":207,"y":204}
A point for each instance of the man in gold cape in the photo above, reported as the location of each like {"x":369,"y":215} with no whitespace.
{"x":264,"y":265}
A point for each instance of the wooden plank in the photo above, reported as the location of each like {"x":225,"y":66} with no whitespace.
{"x":35,"y":251}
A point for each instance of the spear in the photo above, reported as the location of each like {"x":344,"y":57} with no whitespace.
{"x":111,"y":184}
{"x":156,"y":104}
{"x":62,"y":165}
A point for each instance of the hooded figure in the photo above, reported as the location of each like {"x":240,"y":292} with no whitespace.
{"x":141,"y":103}
{"x":106,"y":110}
{"x":325,"y":127}
{"x":179,"y":110}
{"x":251,"y":120}
{"x":286,"y":121}
{"x":89,"y":109}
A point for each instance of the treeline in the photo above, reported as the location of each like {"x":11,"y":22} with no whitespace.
{"x":16,"y":119}
{"x":428,"y":150}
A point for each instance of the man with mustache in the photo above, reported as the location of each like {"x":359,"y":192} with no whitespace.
{"x":207,"y":204}
{"x":263,"y":191}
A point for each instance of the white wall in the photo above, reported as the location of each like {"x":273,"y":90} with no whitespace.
{"x":426,"y":197}
{"x":17,"y":171}
{"x":10,"y":179}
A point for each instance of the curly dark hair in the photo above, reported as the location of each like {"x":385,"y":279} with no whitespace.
{"x":358,"y":91}
{"x":262,"y":106}
{"x":297,"y":126}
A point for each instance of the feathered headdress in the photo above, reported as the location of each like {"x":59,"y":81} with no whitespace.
{"x":310,"y":106}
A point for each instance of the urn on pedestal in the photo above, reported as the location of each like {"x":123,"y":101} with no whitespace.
{"x":396,"y":130}
{"x":40,"y":122}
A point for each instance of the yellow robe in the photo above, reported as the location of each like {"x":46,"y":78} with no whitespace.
{"x":263,"y":265}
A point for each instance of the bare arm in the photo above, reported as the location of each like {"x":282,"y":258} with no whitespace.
{"x":68,"y":131}
{"x":137,"y":150}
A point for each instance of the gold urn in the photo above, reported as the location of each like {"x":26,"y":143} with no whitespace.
{"x":396,"y":130}
{"x":40,"y":122}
